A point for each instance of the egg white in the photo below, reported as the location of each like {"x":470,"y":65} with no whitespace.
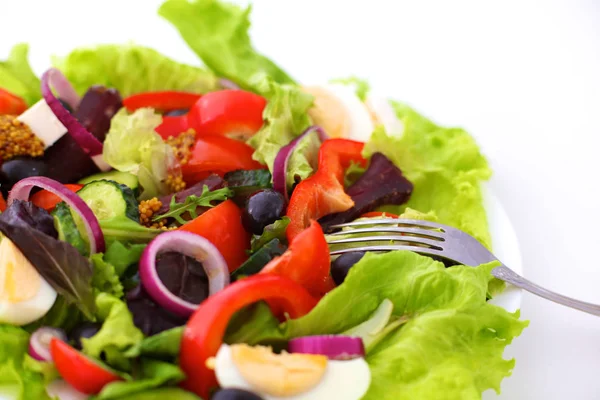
{"x":385,"y":114}
{"x":361,"y":124}
{"x":346,"y":380}
{"x":27,"y":311}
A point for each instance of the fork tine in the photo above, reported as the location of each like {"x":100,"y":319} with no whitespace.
{"x":391,"y":247}
{"x":411,"y":240}
{"x":431,"y":234}
{"x":394,"y":221}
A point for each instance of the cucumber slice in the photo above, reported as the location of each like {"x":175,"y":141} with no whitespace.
{"x":258,"y":260}
{"x":67,"y":229}
{"x":110,"y":199}
{"x":124,"y":178}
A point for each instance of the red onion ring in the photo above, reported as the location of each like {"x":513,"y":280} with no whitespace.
{"x":39,"y":342}
{"x":191,"y":245}
{"x":280,"y":165}
{"x":88,"y":142}
{"x":22,"y":189}
{"x":335,"y":347}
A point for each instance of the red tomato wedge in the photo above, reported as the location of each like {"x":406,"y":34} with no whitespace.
{"x":232,"y":113}
{"x":79,"y":371}
{"x":10,"y":103}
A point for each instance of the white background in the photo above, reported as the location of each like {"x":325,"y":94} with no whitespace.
{"x":523,"y":77}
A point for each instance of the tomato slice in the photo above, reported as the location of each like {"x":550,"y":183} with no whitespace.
{"x":172,"y":126}
{"x":48,"y":200}
{"x":233,"y":113}
{"x":164,"y":100}
{"x":222,"y":226}
{"x":217,"y":154}
{"x":10,"y":103}
{"x":79,"y":371}
{"x":203,"y":334}
{"x":306,"y":262}
{"x":382,"y":214}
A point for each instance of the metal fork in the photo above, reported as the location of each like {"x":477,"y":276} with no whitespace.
{"x":441,"y":242}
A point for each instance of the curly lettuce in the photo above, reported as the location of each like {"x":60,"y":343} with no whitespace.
{"x":132,"y":69}
{"x":17,"y":77}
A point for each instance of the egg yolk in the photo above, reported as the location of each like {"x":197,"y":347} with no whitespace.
{"x":278,"y":374}
{"x":19,"y":280}
{"x":328,"y":112}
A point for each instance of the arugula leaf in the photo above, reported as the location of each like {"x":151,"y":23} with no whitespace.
{"x":59,"y":263}
{"x":218,"y":33}
{"x":276,"y":230}
{"x":176,"y":210}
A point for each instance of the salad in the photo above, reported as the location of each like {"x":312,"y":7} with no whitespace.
{"x":165,"y":229}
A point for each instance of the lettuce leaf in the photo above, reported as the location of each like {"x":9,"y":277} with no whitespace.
{"x":17,"y":77}
{"x":451,"y":341}
{"x":445,"y":166}
{"x":121,"y":256}
{"x":361,"y":86}
{"x":218,"y":33}
{"x":133,"y":146}
{"x":285,"y":118}
{"x":132,"y":69}
{"x":117,"y":335}
{"x":105,"y":278}
{"x":20,"y":376}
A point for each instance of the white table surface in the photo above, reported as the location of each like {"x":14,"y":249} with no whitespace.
{"x":523,"y":77}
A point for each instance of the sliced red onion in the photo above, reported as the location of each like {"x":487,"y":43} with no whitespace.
{"x":280,"y":164}
{"x":39,"y":342}
{"x":227,"y":84}
{"x":191,"y":245}
{"x":88,"y":142}
{"x":335,"y":347}
{"x":22,"y":189}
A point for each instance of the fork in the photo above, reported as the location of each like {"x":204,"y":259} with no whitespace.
{"x":441,"y":242}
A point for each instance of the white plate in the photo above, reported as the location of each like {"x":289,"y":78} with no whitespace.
{"x":505,"y":246}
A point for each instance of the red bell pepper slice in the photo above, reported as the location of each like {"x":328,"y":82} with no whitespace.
{"x":306,"y":261}
{"x":164,"y":101}
{"x":11,"y":103}
{"x":217,"y":154}
{"x":323,"y":193}
{"x":233,"y":113}
{"x":48,"y":200}
{"x":79,"y":371}
{"x":203,"y":334}
{"x":172,"y":126}
{"x":222,"y":226}
{"x":2,"y":203}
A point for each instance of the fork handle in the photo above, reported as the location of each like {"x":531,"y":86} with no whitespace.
{"x":508,"y":275}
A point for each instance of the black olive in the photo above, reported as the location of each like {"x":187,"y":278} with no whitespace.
{"x":176,"y":113}
{"x":262,"y":208}
{"x":83,"y":331}
{"x":18,"y":168}
{"x":235,"y":394}
{"x":341,"y":266}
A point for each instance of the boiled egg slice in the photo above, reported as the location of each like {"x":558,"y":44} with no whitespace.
{"x":24,"y":295}
{"x":290,"y":376}
{"x":383,"y":113}
{"x":339,"y":111}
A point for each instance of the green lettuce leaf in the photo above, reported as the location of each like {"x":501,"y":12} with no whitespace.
{"x":152,"y":374}
{"x":17,"y":77}
{"x":105,"y":278}
{"x":218,"y":33}
{"x":361,"y":86}
{"x":285,"y":118}
{"x":133,"y":146}
{"x":63,"y":315}
{"x":304,"y":159}
{"x":451,"y":339}
{"x":446,"y":167}
{"x":163,"y":345}
{"x":117,"y":335}
{"x":276,"y":230}
{"x":121,"y":256}
{"x":20,"y":377}
{"x":162,"y":394}
{"x":132,"y":69}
